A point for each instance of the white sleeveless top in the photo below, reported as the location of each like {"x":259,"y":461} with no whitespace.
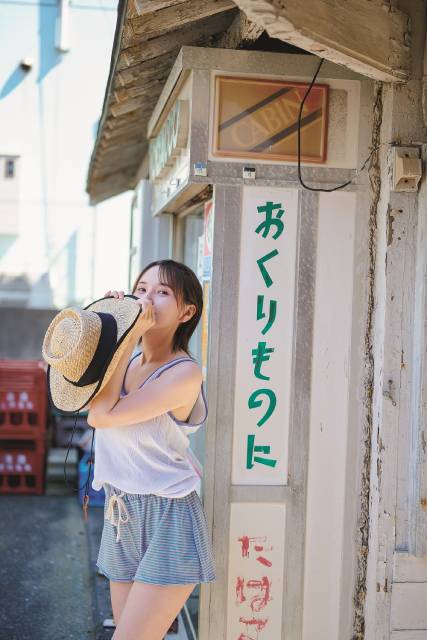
{"x":151,"y":456}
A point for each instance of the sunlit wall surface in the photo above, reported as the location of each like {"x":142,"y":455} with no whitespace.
{"x":55,"y":249}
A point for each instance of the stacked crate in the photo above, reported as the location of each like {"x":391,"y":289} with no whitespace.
{"x":23,"y":422}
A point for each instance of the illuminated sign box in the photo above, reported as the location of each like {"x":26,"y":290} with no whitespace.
{"x":258,"y":118}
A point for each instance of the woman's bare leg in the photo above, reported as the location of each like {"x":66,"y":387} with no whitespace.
{"x":119,"y":592}
{"x":150,"y":610}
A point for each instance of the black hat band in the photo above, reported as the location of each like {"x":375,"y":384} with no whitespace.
{"x":103,"y":353}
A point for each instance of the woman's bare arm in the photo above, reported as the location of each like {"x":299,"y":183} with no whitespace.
{"x":172,"y":390}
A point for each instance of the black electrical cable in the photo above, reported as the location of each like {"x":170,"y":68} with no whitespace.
{"x":90,"y":462}
{"x":340,"y":186}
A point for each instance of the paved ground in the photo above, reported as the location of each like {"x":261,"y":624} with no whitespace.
{"x":45,"y":573}
{"x":50,"y":586}
{"x":100,"y":584}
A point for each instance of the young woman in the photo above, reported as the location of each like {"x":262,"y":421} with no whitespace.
{"x":155,"y":544}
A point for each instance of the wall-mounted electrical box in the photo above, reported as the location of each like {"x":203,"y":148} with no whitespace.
{"x":407,"y":168}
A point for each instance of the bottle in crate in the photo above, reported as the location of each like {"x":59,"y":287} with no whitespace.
{"x":23,"y":396}
{"x":22,"y":465}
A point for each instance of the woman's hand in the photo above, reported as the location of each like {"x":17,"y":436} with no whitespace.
{"x":116,"y":294}
{"x":146,"y":318}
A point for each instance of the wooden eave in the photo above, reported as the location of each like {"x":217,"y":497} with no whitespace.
{"x":148,"y":37}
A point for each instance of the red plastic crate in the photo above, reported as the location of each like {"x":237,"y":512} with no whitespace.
{"x":22,"y":471}
{"x":23,"y":442}
{"x":23,"y":396}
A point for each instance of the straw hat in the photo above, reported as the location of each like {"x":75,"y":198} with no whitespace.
{"x":82,"y":348}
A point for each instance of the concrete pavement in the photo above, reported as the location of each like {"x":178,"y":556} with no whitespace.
{"x":50,"y":588}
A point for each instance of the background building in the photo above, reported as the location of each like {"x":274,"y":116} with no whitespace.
{"x":55,"y":249}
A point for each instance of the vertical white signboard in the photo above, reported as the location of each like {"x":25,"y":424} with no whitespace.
{"x":264,"y":335}
{"x":255,"y":571}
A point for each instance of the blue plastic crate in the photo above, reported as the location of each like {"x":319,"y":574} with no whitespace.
{"x":96,"y":498}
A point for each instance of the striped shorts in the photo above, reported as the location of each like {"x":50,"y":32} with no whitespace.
{"x":154,"y":539}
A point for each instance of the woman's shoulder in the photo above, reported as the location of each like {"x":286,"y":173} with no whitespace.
{"x":186,"y":363}
{"x":183,"y":370}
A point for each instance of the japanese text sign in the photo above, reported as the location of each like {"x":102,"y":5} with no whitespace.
{"x":264,"y":335}
{"x":255,"y":571}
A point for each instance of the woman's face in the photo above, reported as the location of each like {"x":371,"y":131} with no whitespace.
{"x":165,"y":305}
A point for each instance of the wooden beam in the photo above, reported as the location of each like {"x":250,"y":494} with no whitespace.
{"x":126,"y":131}
{"x":157,"y":23}
{"x":131,"y":104}
{"x":150,"y":91}
{"x":195,"y":33}
{"x":368,"y":36}
{"x":115,"y":123}
{"x":127,"y":148}
{"x":240,"y":33}
{"x":116,"y":175}
{"x":111,"y":185}
{"x":145,"y":71}
{"x":142,"y":7}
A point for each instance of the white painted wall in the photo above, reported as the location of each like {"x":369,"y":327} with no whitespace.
{"x":327,"y":484}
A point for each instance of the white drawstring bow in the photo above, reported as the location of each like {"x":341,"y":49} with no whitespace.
{"x":117,"y":499}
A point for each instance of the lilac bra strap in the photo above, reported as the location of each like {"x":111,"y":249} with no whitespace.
{"x":167,"y":365}
{"x":124,"y":377}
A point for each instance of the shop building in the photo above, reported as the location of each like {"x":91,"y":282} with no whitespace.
{"x":314,"y":274}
